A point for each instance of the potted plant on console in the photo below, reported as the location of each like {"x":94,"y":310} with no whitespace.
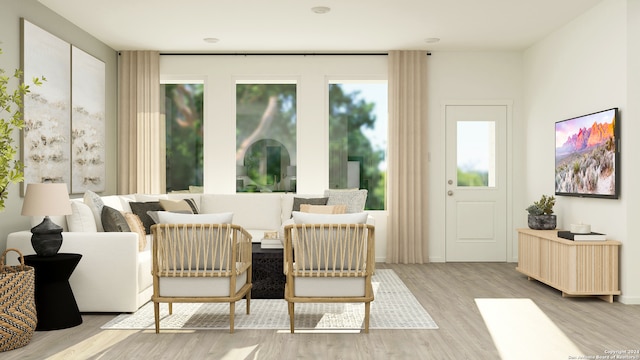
{"x":541,"y":214}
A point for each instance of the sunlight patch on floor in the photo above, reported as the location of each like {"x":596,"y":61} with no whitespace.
{"x":241,"y":353}
{"x":93,"y":345}
{"x":321,"y":331}
{"x":520,"y":330}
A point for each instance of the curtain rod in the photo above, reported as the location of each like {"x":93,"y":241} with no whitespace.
{"x":281,"y":54}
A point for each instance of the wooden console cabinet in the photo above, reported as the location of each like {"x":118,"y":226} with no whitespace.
{"x":577,"y":268}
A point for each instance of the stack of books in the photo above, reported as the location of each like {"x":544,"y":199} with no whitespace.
{"x":582,"y":237}
{"x":271,"y":244}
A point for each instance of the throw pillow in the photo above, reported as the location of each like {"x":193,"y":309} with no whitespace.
{"x":323,"y":209}
{"x":167,"y":217}
{"x":183,"y":205}
{"x":311,"y":201}
{"x":196,"y":189}
{"x":113,"y":220}
{"x":95,"y":203}
{"x":135,"y":224}
{"x":305,"y":218}
{"x":141,"y":208}
{"x":355,"y":199}
{"x":81,"y":218}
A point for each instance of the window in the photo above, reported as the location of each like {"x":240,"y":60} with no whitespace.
{"x":265,"y":137}
{"x":183,"y":104}
{"x":358,"y":121}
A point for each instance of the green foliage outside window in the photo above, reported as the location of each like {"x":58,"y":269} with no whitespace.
{"x":472,"y":178}
{"x":184,"y":122}
{"x":348,"y":117}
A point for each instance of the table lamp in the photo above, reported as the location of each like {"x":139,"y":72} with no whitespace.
{"x":46,"y":199}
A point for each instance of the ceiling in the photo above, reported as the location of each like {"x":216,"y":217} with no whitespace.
{"x":352,"y":26}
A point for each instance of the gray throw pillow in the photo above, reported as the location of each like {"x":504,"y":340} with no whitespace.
{"x":355,"y":199}
{"x":141,"y":208}
{"x":113,"y":220}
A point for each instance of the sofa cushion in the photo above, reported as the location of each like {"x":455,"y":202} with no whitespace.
{"x":96,"y":204}
{"x":136,"y":226}
{"x":167,"y":217}
{"x":113,"y":201}
{"x":141,"y":208}
{"x":251,"y":211}
{"x":306,"y":218}
{"x":113,"y":220}
{"x":150,"y":197}
{"x":81,"y":218}
{"x":355,"y":199}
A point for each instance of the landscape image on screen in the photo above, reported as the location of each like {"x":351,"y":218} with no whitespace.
{"x":586,"y":155}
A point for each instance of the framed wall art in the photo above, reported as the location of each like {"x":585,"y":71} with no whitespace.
{"x":87,"y":122}
{"x":46,"y":142}
{"x":64,"y":133}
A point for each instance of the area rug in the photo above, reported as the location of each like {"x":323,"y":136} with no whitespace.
{"x":394,"y":307}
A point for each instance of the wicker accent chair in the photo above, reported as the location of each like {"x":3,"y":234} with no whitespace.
{"x":199,"y":263}
{"x":328,"y":263}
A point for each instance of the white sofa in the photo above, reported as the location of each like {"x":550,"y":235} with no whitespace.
{"x":114,"y":276}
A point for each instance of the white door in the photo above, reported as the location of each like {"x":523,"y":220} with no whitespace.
{"x":476,"y":189}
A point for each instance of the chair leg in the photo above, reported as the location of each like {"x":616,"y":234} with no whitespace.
{"x":291,"y":315}
{"x":156,"y":314}
{"x":170,"y":308}
{"x":367,"y":309}
{"x":249,"y":303}
{"x":232,"y":312}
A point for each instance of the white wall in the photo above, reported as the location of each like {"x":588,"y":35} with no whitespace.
{"x":473,"y":77}
{"x":311,"y":73}
{"x":579,"y":69}
{"x":10,"y":13}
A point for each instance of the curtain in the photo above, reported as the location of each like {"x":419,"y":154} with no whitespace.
{"x":407,"y":238}
{"x":141,"y":139}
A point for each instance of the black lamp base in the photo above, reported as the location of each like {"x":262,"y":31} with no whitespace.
{"x":47,"y":237}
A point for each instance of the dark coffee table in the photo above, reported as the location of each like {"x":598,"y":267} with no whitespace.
{"x":268,"y":273}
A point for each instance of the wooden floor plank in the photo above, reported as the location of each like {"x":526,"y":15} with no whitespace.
{"x":448,"y":292}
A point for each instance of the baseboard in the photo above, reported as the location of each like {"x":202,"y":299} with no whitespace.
{"x":629,"y":300}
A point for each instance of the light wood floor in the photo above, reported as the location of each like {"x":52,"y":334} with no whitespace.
{"x":447,"y":291}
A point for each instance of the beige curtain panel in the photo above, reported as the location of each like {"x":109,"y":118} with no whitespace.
{"x":141,"y":134}
{"x":407,"y":239}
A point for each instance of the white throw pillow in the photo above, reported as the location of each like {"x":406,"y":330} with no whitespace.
{"x":309,"y":218}
{"x":81,"y":218}
{"x":96,"y":204}
{"x":167,"y":217}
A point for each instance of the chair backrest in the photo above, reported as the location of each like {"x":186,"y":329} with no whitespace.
{"x":194,"y":250}
{"x":329,"y":249}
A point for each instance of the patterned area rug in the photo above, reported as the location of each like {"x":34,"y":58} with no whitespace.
{"x":394,"y":307}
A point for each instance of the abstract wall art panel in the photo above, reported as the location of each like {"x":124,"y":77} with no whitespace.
{"x":87,"y":122}
{"x":46,"y":135}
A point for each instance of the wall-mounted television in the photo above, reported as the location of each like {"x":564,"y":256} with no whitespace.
{"x":588,"y":155}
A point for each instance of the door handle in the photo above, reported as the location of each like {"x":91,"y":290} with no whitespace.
{"x":450,"y":193}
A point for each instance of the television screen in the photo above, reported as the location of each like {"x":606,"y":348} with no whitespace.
{"x":587,"y":155}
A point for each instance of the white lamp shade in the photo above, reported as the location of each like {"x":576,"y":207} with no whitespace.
{"x":46,"y":199}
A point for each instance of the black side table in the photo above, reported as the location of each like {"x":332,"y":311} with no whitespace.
{"x":55,"y":304}
{"x":267,"y":274}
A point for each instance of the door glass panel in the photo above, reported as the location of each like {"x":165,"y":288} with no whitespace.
{"x":476,"y":150}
